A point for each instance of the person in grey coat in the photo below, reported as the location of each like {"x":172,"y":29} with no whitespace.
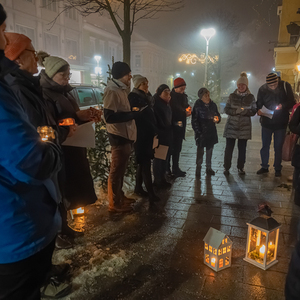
{"x":240,"y":107}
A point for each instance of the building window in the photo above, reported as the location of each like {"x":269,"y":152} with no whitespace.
{"x":138,"y":61}
{"x":71,"y":14}
{"x":221,"y":263}
{"x":29,"y":32}
{"x":49,"y":4}
{"x":51,"y":43}
{"x":72,"y":50}
{"x":92,"y":45}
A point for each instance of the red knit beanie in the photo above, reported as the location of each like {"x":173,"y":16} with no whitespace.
{"x":178,"y":82}
{"x":16,"y":44}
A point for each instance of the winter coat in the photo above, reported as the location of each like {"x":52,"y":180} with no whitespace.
{"x":115,"y":99}
{"x":179,"y":104}
{"x":77,"y":182}
{"x":29,"y":201}
{"x":270,"y":99}
{"x":238,"y":125}
{"x":163,"y":116}
{"x":295,"y":128}
{"x":145,"y":124}
{"x":203,"y":123}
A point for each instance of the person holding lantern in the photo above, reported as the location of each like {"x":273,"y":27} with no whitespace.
{"x":240,"y":107}
{"x":76,"y":181}
{"x":30,"y":217}
{"x":205,"y":116}
{"x":180,"y":111}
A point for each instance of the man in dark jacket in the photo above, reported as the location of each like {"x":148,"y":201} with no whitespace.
{"x":276,"y":96}
{"x":179,"y":105}
{"x":29,"y":198}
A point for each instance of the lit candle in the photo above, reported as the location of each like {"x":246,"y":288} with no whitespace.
{"x":262,"y":251}
{"x":213,"y":262}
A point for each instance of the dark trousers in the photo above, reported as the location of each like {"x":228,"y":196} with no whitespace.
{"x":143,"y":174}
{"x":199,"y":159}
{"x":230,"y":143}
{"x":175,"y":153}
{"x":160,"y":168}
{"x":266,"y":136}
{"x":23,"y":279}
{"x":119,"y":161}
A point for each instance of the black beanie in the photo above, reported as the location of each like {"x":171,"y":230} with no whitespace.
{"x":201,"y":92}
{"x":2,"y":14}
{"x":161,"y":88}
{"x":119,"y":70}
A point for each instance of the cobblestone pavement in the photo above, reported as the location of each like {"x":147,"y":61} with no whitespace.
{"x":148,"y":255}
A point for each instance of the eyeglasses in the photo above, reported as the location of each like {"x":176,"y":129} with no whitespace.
{"x":66,"y":76}
{"x":33,"y":51}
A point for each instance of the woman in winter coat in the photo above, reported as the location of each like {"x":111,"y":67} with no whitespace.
{"x":205,"y":115}
{"x":78,"y":186}
{"x":240,"y":107}
{"x":141,"y":99}
{"x":163,"y":116}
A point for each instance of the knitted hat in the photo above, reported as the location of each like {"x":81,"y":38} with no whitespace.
{"x":120,"y":69}
{"x":178,"y":82}
{"x":201,"y":92}
{"x":138,"y":80}
{"x":243,"y":79}
{"x":52,"y":64}
{"x":272,"y":78}
{"x":16,"y":44}
{"x":161,"y":88}
{"x":2,"y":14}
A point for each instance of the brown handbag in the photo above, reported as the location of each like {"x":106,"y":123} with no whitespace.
{"x":289,"y":145}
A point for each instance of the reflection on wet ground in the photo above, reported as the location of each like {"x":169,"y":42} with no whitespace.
{"x":159,"y":254}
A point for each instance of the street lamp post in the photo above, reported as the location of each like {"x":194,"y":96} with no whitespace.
{"x":98,"y":70}
{"x":207,"y":34}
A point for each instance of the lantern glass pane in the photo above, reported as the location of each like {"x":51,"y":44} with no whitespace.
{"x":210,"y":248}
{"x":271,"y":246}
{"x":224,"y":250}
{"x":226,"y":261}
{"x":213,"y":262}
{"x":221,"y":263}
{"x":215,"y":251}
{"x":220,"y":251}
{"x":257,"y":245}
{"x":228,"y":248}
{"x":206,"y":246}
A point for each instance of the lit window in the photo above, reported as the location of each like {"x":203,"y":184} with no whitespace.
{"x":228,"y":249}
{"x":224,"y":250}
{"x":226,"y":240}
{"x":215,"y":251}
{"x":213,"y":262}
{"x":210,"y":248}
{"x":223,"y":241}
{"x":207,"y":258}
{"x":206,"y":246}
{"x":220,"y":251}
{"x":226,"y":261}
{"x":221,"y":263}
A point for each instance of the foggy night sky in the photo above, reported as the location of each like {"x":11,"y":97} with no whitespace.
{"x":180,"y":32}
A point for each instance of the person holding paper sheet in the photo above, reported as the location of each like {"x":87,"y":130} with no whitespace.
{"x":240,"y":107}
{"x":76,"y":181}
{"x":278,"y":97}
{"x":140,"y":98}
{"x":205,"y":116}
{"x":163,"y":115}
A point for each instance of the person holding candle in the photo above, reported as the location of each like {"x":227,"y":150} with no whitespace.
{"x":240,"y":107}
{"x":205,"y":116}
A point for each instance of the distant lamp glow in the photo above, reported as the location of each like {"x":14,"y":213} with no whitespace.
{"x":193,"y":74}
{"x":248,"y":74}
{"x":98,"y":70}
{"x":178,"y":74}
{"x":97,"y":58}
{"x":273,"y":69}
{"x":298,"y":67}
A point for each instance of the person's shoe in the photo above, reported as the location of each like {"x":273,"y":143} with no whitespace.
{"x":241,"y":171}
{"x":120,"y":209}
{"x":154,"y":198}
{"x":210,"y":172}
{"x":163,"y":185}
{"x":128,"y":201}
{"x":262,"y":171}
{"x":59,"y":271}
{"x":141,"y":192}
{"x":277,"y":173}
{"x":179,"y":173}
{"x":226,"y":172}
{"x":62,"y":243}
{"x":66,"y":230}
{"x":55,"y":289}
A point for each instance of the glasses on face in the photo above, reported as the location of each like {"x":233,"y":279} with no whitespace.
{"x":33,"y":51}
{"x":66,"y":76}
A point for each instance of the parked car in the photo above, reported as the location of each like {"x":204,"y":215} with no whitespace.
{"x":88,"y":96}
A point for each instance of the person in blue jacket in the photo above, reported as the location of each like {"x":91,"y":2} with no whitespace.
{"x":29,"y":198}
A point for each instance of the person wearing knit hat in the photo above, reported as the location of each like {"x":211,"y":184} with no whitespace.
{"x":141,"y":99}
{"x":205,"y":116}
{"x":122,"y":133}
{"x":240,"y":107}
{"x":180,"y":111}
{"x":277,"y":96}
{"x":29,"y":219}
{"x":163,"y":116}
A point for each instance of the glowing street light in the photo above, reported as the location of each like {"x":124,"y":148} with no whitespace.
{"x":298,"y":67}
{"x":207,"y":34}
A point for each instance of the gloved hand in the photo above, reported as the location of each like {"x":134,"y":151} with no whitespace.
{"x":239,"y":110}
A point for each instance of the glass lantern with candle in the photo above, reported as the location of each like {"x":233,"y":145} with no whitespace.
{"x":262,"y":242}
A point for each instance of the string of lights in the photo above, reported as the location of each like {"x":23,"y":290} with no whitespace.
{"x":193,"y":58}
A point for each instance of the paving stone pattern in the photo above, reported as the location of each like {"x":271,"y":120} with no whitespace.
{"x":166,"y":248}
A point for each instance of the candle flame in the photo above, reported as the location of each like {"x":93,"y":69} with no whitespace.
{"x":79,"y":210}
{"x":271,"y":243}
{"x":213,"y":260}
{"x":262,"y":249}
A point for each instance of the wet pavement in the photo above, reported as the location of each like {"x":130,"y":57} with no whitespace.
{"x":159,"y":255}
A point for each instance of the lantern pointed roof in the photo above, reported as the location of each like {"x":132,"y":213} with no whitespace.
{"x":265,"y":223}
{"x":214,"y":237}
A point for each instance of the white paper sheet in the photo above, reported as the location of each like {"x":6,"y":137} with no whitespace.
{"x":267,"y":112}
{"x":161,"y":152}
{"x":84,"y":136}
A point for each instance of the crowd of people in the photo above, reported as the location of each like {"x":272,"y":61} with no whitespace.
{"x":42,"y":178}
